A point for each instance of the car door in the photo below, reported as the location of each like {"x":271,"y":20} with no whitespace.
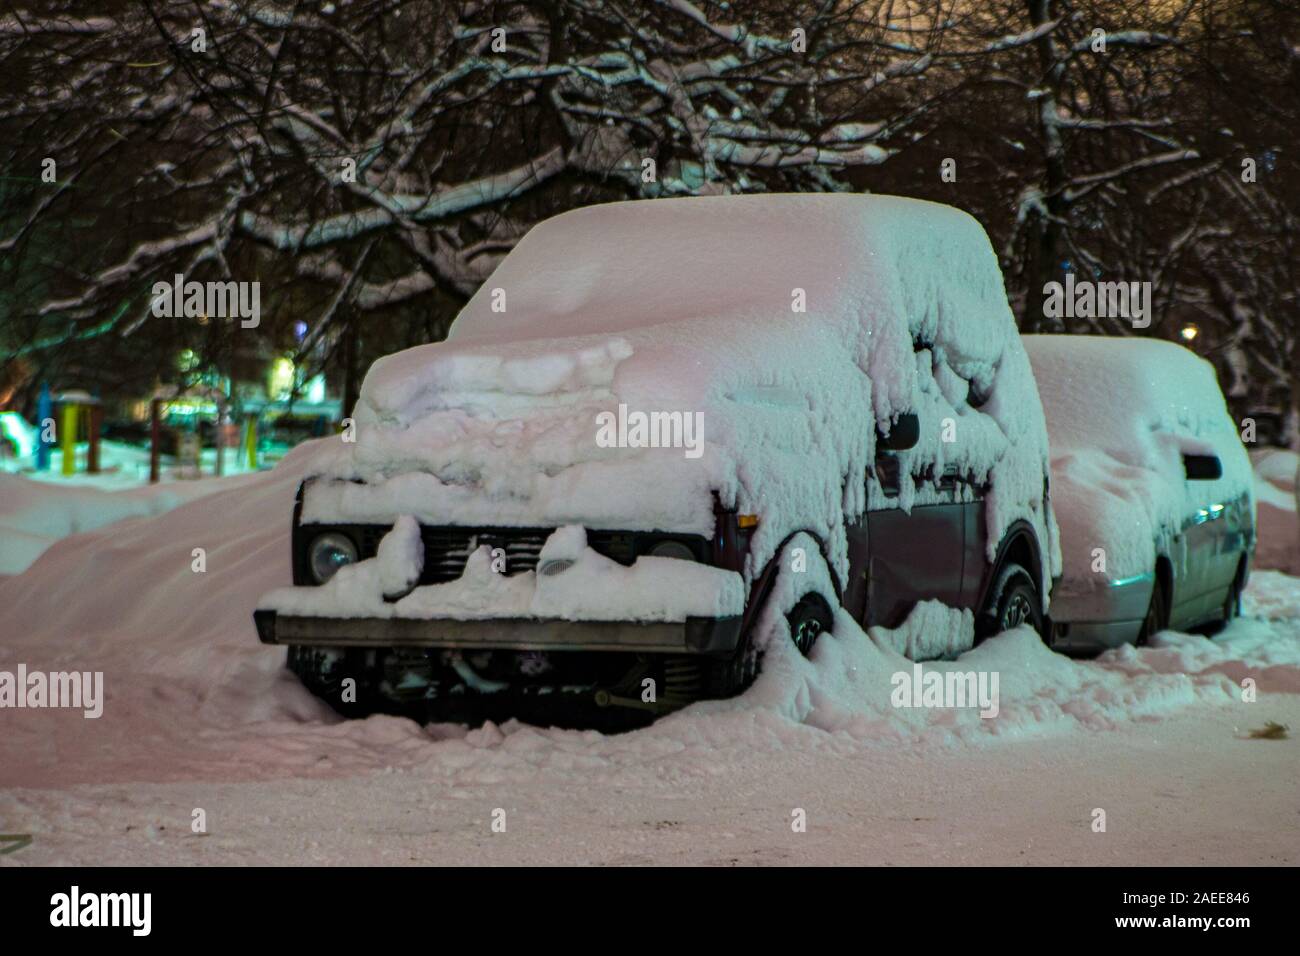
{"x":1209,"y":563}
{"x":913,"y":556}
{"x":1195,"y":546}
{"x":976,"y":566}
{"x":1236,"y":534}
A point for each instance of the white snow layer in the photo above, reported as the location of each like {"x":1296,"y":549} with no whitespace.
{"x":932,"y":630}
{"x":35,"y":514}
{"x":687,"y":306}
{"x":1121,"y":412}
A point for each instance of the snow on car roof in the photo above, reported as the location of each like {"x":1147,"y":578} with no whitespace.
{"x":688,"y":278}
{"x":1110,"y":392}
{"x":619,"y":266}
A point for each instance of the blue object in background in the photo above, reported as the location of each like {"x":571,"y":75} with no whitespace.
{"x":44,"y":411}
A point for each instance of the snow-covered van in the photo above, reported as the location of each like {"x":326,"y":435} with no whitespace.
{"x":1152,"y":487}
{"x":661,"y":432}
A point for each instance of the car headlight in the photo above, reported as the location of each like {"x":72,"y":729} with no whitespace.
{"x":328,"y":553}
{"x":673,"y":549}
{"x":553,"y":566}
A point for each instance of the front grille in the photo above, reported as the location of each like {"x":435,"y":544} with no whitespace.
{"x":447,"y":548}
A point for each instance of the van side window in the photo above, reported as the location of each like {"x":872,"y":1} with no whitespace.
{"x":949,"y":483}
{"x":887,"y":473}
{"x":968,"y":488}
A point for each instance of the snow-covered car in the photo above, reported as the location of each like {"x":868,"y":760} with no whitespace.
{"x":1151,"y":485}
{"x":660,"y":432}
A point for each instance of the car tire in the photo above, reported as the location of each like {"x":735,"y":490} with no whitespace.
{"x":1016,"y":602}
{"x":323,"y":674}
{"x":733,"y":675}
{"x":1232,"y":603}
{"x":808,"y":620}
{"x":1155,"y":620}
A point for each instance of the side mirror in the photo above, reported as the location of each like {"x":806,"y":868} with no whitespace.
{"x":1202,"y":467}
{"x":903,"y":434}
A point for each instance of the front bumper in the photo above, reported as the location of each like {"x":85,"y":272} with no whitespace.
{"x":696,"y":635}
{"x":1105,"y":617}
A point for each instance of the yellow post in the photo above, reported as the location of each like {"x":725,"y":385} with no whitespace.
{"x":68,"y":438}
{"x":250,"y":442}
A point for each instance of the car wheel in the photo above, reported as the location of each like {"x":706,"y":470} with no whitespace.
{"x":1155,"y":621}
{"x":808,"y":620}
{"x":323,"y":671}
{"x":1017,"y":602}
{"x":732,"y":675}
{"x":1232,"y":604}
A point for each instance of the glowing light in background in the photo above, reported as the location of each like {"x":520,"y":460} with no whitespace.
{"x":13,"y":428}
{"x":280,"y":381}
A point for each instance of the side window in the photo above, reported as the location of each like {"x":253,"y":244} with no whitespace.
{"x":887,"y":473}
{"x":895,"y":438}
{"x":946,"y":482}
{"x":950,"y":483}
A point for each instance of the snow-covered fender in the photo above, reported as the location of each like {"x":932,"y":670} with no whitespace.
{"x":766,"y":580}
{"x":1020,"y":545}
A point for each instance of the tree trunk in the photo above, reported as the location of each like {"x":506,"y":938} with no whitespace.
{"x":1044,"y":250}
{"x":351,"y":362}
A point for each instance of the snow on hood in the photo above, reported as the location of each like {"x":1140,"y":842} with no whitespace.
{"x":685,"y":306}
{"x":1122,"y":412}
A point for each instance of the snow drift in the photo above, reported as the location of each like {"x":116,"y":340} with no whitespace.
{"x":34,"y":515}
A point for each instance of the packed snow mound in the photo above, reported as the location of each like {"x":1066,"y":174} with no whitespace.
{"x":1276,"y":495}
{"x":932,"y":630}
{"x":691,"y":308}
{"x":35,"y":514}
{"x":1121,"y":413}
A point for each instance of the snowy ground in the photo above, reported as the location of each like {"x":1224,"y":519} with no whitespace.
{"x":38,"y":508}
{"x":199,"y":715}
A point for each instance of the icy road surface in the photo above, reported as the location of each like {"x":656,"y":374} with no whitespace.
{"x":198,"y":715}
